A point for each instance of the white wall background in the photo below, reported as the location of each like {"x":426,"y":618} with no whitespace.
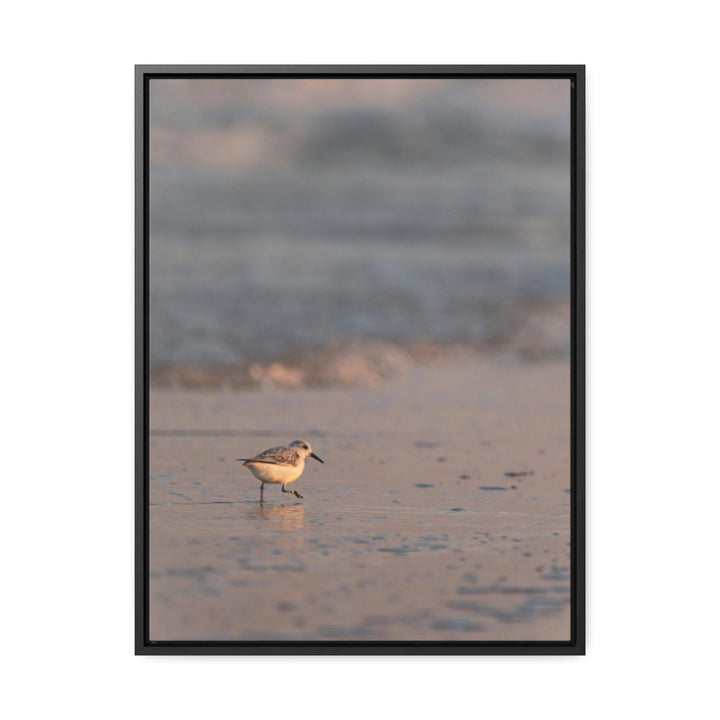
{"x":67,"y":364}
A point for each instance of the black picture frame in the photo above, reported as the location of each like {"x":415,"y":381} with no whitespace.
{"x":576,"y":645}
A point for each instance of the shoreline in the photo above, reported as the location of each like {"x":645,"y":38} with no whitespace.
{"x":538,"y":336}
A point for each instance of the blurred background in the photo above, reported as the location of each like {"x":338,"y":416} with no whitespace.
{"x":291,"y":217}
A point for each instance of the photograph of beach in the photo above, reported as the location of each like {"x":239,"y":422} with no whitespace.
{"x":359,"y":359}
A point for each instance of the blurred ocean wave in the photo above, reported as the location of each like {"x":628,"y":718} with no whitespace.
{"x":279,"y":227}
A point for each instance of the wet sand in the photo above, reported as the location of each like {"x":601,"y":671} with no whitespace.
{"x":411,"y":530}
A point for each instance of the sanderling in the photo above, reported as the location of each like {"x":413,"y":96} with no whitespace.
{"x":280,"y":465}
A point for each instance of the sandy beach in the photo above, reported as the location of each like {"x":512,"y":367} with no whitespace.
{"x":441,"y":512}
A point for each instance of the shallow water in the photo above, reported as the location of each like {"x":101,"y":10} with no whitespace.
{"x":388,"y":543}
{"x":279,"y":570}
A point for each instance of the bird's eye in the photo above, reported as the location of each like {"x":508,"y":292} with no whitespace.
{"x":305,"y":446}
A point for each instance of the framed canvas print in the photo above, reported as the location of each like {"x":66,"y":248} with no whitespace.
{"x":360,"y":359}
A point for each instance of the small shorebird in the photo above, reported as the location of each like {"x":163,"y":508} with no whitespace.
{"x":280,"y":465}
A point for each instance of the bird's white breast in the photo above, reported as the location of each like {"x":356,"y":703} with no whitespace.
{"x":270,"y":473}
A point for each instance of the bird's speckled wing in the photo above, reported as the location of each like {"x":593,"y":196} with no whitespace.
{"x":283,"y":455}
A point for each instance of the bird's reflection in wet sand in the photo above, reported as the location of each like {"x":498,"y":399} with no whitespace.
{"x":282,"y":523}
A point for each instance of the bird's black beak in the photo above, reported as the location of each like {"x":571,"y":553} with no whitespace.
{"x":313,"y":455}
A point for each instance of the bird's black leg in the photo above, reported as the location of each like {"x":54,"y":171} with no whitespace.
{"x":293,"y":492}
{"x":262,"y":487}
